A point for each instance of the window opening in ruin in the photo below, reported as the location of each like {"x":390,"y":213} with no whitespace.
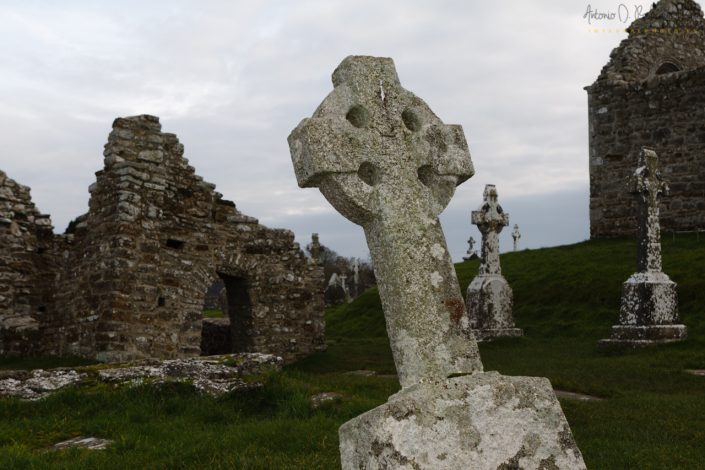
{"x":667,"y":67}
{"x":227,"y":313}
{"x":215,"y":303}
{"x":161,"y":301}
{"x":175,"y":244}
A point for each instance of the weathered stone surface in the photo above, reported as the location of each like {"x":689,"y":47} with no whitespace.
{"x":213,"y":375}
{"x":386,"y":162}
{"x":39,"y":383}
{"x":483,"y":421}
{"x":129,"y":280}
{"x":576,"y":396}
{"x":25,"y":268}
{"x":324,"y":397}
{"x":650,"y":94}
{"x":90,"y":443}
{"x":649,"y":307}
{"x":489,"y":297}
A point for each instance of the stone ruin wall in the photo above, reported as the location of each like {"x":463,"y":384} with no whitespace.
{"x":631,"y":105}
{"x":26,"y":268}
{"x":666,"y":113}
{"x":130,"y":281}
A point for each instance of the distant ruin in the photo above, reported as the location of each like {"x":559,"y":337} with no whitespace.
{"x":651,"y":94}
{"x":130,"y":279}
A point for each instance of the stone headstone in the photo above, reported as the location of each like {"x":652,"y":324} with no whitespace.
{"x":470,"y":254}
{"x":335,"y":291}
{"x":386,"y":162}
{"x":516,"y":235}
{"x":649,"y":307}
{"x":489,"y":297}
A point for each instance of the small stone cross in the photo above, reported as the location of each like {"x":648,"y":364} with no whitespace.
{"x":648,"y":186}
{"x":386,"y":162}
{"x":490,"y":220}
{"x":470,"y":254}
{"x":356,"y":272}
{"x":314,"y":248}
{"x":516,"y":235}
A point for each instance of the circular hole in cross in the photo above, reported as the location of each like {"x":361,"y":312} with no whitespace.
{"x":368,"y":173}
{"x":358,"y":116}
{"x":425,"y":173}
{"x":411,"y":120}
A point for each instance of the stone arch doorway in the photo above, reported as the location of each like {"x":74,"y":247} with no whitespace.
{"x":232,"y":332}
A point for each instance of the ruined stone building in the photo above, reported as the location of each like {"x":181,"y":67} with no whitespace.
{"x":130,"y":280}
{"x":651,"y":93}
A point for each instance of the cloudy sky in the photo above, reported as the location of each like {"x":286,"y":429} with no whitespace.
{"x":233,"y":78}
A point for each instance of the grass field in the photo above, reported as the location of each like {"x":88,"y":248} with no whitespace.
{"x":566,"y":298}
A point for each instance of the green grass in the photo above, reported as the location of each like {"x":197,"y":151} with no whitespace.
{"x":213,"y":313}
{"x":566,"y":298}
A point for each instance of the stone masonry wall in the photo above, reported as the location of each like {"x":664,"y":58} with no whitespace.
{"x":25,"y":268}
{"x":131,"y":279}
{"x":651,"y":93}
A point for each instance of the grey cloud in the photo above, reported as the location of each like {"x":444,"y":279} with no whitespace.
{"x":233,"y":78}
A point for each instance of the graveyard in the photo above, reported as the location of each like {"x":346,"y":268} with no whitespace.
{"x":650,"y":415}
{"x":165,"y":328}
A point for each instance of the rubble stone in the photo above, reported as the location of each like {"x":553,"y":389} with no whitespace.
{"x":212,"y":375}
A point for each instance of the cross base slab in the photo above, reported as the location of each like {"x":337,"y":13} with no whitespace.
{"x":648,"y":298}
{"x":489,"y":334}
{"x":483,"y":420}
{"x":640,"y":336}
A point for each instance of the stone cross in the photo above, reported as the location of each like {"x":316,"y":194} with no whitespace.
{"x":315,"y":249}
{"x":516,"y":235}
{"x":490,"y":220}
{"x":470,"y":254}
{"x":489,"y":296}
{"x":356,"y":272}
{"x":648,"y":185}
{"x":648,"y":312}
{"x":386,"y":162}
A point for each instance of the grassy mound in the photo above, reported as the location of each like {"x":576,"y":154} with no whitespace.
{"x":566,"y":298}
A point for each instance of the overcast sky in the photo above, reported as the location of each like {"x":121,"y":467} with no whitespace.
{"x":233,"y":78}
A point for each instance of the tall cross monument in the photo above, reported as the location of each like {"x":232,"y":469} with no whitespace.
{"x":385,"y":161}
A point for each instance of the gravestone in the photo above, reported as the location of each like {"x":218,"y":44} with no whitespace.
{"x":649,"y":307}
{"x":516,"y":235}
{"x":335,"y":293}
{"x":489,"y":297}
{"x":386,"y":162}
{"x":470,"y":254}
